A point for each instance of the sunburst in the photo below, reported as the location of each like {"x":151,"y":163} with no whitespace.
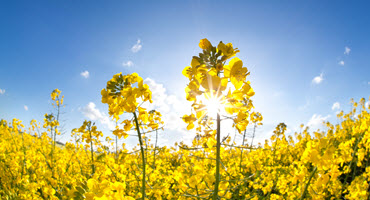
{"x":214,"y":104}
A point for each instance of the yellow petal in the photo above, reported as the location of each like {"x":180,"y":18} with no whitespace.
{"x":227,"y":70}
{"x":250,"y":92}
{"x":205,"y":44}
{"x":237,"y":84}
{"x":194,"y":62}
{"x":186,"y":72}
{"x":190,"y":126}
{"x":235,"y":62}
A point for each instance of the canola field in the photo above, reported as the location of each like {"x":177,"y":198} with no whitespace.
{"x":330,"y":164}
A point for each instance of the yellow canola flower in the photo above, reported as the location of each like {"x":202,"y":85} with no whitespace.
{"x":189,"y":119}
{"x":214,"y":83}
{"x":55,"y":94}
{"x":128,"y":125}
{"x":227,"y":49}
{"x":192,"y":91}
{"x":236,"y":72}
{"x":241,"y":122}
{"x":191,"y":71}
{"x":205,"y":44}
{"x":119,"y":132}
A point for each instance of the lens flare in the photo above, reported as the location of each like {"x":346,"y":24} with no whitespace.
{"x":213,"y":105}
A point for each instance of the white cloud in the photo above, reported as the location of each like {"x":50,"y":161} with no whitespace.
{"x":128,"y":64}
{"x":90,"y":111}
{"x":2,"y":91}
{"x":347,"y":50}
{"x":164,"y":102}
{"x":341,"y":62}
{"x":137,"y":47}
{"x":25,"y":108}
{"x":335,"y":106}
{"x":85,"y":74}
{"x":172,"y":109}
{"x":318,"y":79}
{"x":367,"y":104}
{"x":316,"y":121}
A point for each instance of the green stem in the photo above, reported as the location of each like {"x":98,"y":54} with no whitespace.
{"x":92,"y":153}
{"x":254,"y":132}
{"x":215,"y":193}
{"x":55,"y":133}
{"x":51,"y":150}
{"x":116,"y":146}
{"x":24,"y":155}
{"x":55,"y":129}
{"x":142,"y":155}
{"x":116,"y":149}
{"x":241,"y":153}
{"x":155,"y":147}
{"x":308,"y":183}
{"x":353,"y":156}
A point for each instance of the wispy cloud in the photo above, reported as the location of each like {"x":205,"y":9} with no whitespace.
{"x":2,"y":91}
{"x":317,"y":121}
{"x":85,"y":74}
{"x":25,"y":108}
{"x":128,"y":64}
{"x":137,"y":47}
{"x":341,"y":63}
{"x":335,"y":106}
{"x":90,"y":111}
{"x":318,"y":79}
{"x":347,"y":50}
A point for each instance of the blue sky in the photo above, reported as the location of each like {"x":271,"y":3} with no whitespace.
{"x":303,"y":56}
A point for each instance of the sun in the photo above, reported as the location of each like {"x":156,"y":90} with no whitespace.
{"x":213,"y":105}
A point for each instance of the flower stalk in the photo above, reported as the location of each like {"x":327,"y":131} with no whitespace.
{"x":142,"y":155}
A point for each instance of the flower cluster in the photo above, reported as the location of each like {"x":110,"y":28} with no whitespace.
{"x":89,"y":134}
{"x":55,"y":96}
{"x":209,"y":75}
{"x":122,"y":96}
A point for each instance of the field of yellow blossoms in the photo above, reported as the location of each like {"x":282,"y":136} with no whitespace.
{"x":330,"y":164}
